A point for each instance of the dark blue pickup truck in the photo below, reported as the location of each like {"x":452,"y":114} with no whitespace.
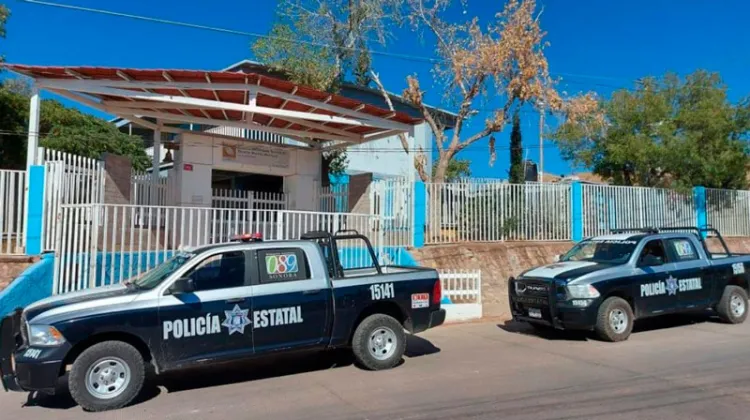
{"x":222,"y":302}
{"x":606,"y":283}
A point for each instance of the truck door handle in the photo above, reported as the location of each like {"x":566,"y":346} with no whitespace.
{"x":236,"y":300}
{"x":311,"y":292}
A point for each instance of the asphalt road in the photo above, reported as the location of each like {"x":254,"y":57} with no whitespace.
{"x":679,"y":368}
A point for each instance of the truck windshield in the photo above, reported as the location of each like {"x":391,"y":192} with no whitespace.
{"x":601,"y":251}
{"x":154,"y":277}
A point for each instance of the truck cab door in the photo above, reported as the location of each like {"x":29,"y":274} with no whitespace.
{"x":692,"y":273}
{"x":211,"y":322}
{"x":292,"y":299}
{"x":653,"y":286}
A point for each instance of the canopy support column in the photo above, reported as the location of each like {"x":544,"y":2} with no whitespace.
{"x":156,"y":158}
{"x":32,"y":144}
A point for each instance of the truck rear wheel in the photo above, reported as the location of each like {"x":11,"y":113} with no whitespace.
{"x":732,"y":307}
{"x":379,"y":342}
{"x":614,"y":321}
{"x":107,"y":376}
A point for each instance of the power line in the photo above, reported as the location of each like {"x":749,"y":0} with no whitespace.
{"x":408,"y":57}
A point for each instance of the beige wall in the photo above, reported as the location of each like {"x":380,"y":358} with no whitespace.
{"x":202,"y":153}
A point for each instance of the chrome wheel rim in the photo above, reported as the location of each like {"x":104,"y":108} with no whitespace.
{"x":107,"y":378}
{"x":382,"y":343}
{"x":737,"y":305}
{"x":618,"y":320}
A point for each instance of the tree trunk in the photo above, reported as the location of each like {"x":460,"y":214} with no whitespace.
{"x":441,"y":169}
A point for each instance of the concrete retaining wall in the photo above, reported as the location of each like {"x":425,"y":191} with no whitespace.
{"x":34,"y":284}
{"x":498,"y":261}
{"x":11,"y":266}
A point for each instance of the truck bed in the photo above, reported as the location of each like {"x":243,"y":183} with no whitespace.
{"x":385,"y":270}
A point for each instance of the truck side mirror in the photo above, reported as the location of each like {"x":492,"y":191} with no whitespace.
{"x":181,"y":286}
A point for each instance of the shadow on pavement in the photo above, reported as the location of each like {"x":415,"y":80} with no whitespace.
{"x":672,"y":321}
{"x":417,"y":347}
{"x":62,"y":400}
{"x":645,"y":325}
{"x":233,"y":372}
{"x":547,"y":333}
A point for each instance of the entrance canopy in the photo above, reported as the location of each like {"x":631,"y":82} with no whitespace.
{"x":243,"y":100}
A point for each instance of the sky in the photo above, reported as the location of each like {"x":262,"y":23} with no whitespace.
{"x":595,"y":45}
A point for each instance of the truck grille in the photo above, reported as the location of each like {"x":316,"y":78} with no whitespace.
{"x":532,"y":288}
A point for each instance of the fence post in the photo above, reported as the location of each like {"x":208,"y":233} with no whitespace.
{"x":576,"y":206}
{"x":420,"y":212}
{"x":35,"y":215}
{"x":699,"y":199}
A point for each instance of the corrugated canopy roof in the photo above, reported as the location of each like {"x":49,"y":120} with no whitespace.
{"x":245,"y":100}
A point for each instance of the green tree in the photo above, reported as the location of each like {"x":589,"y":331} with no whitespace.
{"x":668,"y":132}
{"x":516,"y":173}
{"x":299,"y":39}
{"x":61,"y":128}
{"x":457,"y":169}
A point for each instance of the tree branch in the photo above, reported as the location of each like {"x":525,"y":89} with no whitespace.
{"x":419,"y":160}
{"x":376,"y":79}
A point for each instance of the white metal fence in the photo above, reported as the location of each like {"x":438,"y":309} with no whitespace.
{"x":728,"y":211}
{"x":334,"y":198}
{"x":484,"y":212}
{"x":248,"y":200}
{"x":12,"y":208}
{"x":100,"y":244}
{"x":393,"y":201}
{"x":69,"y":179}
{"x":143,"y":191}
{"x":608,"y":207}
{"x":462,"y":294}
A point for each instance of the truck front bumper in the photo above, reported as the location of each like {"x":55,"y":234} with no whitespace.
{"x":24,"y":369}
{"x":550,"y":311}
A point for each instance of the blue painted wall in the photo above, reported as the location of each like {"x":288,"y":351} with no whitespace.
{"x":420,"y":213}
{"x":34,"y":284}
{"x":699,"y":198}
{"x":576,"y":197}
{"x":36,"y":209}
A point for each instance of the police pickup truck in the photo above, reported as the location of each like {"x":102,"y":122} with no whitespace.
{"x":605,"y":283}
{"x":218,"y":303}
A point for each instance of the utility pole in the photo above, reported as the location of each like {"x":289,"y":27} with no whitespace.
{"x":541,"y":141}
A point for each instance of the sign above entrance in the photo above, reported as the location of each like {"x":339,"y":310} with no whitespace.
{"x":187,"y":167}
{"x":256,"y":155}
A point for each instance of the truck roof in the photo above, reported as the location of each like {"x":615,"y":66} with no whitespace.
{"x":620,"y":237}
{"x":244,"y":245}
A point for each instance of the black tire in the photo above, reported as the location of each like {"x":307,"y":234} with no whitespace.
{"x":117,"y":352}
{"x":725,"y":309}
{"x":392,"y":332}
{"x":605,"y":329}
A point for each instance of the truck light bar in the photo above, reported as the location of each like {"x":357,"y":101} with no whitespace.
{"x":248,"y":237}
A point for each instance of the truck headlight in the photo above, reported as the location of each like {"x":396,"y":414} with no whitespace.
{"x":45,"y":336}
{"x":581,"y":291}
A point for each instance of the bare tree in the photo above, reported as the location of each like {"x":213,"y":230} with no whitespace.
{"x":502,"y":66}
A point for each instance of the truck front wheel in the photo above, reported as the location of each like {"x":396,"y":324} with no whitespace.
{"x":614,"y":321}
{"x":379,"y":342}
{"x":732,"y":307}
{"x":106,"y":376}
